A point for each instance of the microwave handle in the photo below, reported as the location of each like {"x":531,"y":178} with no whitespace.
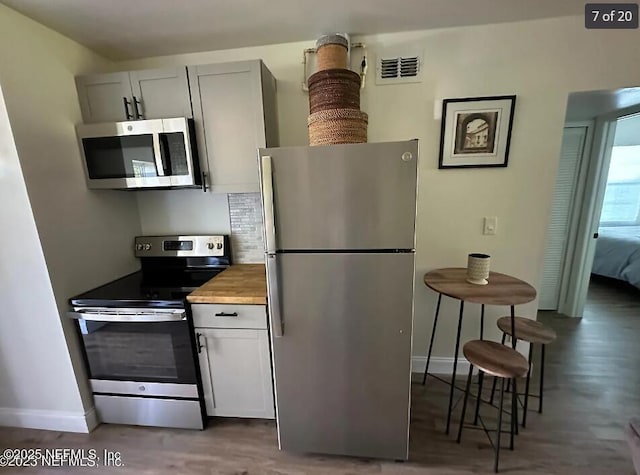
{"x":164,"y":145}
{"x":127,"y":103}
{"x":157,"y":152}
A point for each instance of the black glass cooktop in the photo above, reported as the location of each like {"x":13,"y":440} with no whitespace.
{"x":145,"y":290}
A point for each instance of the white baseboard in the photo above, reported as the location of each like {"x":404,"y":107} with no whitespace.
{"x":439,"y":365}
{"x":49,"y":420}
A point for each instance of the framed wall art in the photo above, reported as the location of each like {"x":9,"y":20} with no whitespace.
{"x":476,"y":132}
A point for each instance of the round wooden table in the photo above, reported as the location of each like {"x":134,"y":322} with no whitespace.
{"x":502,"y":289}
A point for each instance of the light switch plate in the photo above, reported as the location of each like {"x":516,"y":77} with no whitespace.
{"x":490,"y":225}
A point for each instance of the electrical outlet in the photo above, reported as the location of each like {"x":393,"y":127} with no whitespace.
{"x":490,"y":225}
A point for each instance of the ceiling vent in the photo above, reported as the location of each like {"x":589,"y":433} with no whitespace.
{"x":394,"y":69}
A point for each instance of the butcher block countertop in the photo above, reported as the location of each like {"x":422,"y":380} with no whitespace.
{"x":239,"y":284}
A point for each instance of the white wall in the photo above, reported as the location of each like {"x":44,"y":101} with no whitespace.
{"x":29,"y":316}
{"x":86,"y":236}
{"x":539,"y":61}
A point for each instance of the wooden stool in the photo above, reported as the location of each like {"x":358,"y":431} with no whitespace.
{"x":501,"y":362}
{"x":532,"y":332}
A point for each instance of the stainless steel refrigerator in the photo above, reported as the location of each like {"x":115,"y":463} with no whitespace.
{"x":340,"y":239}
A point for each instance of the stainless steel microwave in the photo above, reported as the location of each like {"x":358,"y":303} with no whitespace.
{"x":156,"y":153}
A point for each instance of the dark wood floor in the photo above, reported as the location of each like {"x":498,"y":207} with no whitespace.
{"x":592,"y":387}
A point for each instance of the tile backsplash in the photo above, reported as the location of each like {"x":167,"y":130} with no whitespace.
{"x":245,"y":212}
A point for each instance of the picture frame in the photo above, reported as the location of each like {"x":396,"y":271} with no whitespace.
{"x":476,"y":132}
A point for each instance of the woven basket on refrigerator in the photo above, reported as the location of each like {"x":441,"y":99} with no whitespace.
{"x":337,"y":126}
{"x":332,"y":52}
{"x":334,"y":89}
{"x":332,"y":56}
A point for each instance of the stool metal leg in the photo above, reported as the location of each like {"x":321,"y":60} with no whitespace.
{"x":513,"y":327}
{"x":495,"y":380}
{"x":464,"y":404}
{"x":514,"y":409}
{"x":480,"y":381}
{"x":513,"y":421}
{"x":499,"y":431}
{"x":526,"y":389}
{"x":541,"y":378}
{"x":509,"y":381}
{"x":433,"y":334}
{"x":455,"y":367}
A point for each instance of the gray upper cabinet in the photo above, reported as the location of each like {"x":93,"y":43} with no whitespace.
{"x":163,"y":93}
{"x":147,"y":94}
{"x":102,"y":97}
{"x":234,"y":112}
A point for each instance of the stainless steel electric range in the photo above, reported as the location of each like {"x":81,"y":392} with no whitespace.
{"x":138,"y":340}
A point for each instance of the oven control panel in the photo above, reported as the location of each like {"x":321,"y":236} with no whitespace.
{"x":181,"y":246}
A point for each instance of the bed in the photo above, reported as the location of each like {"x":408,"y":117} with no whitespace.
{"x":618,"y":254}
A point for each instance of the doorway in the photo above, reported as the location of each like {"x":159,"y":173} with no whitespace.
{"x":598,"y":177}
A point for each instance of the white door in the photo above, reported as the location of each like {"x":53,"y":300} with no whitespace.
{"x":228,"y":108}
{"x":105,"y":97}
{"x":573,"y":147}
{"x":236,"y":372}
{"x":162,"y":93}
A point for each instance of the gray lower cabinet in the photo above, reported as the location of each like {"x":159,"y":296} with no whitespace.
{"x":146,"y":94}
{"x":235,"y":114}
{"x":235,"y":363}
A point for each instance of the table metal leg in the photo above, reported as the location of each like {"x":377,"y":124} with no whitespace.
{"x":514,"y":340}
{"x":455,"y":367}
{"x":482,"y":322}
{"x":464,"y":404}
{"x":433,"y":334}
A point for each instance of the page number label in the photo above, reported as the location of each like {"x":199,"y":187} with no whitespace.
{"x":617,"y":16}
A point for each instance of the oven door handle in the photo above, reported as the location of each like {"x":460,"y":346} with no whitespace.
{"x":132,"y":318}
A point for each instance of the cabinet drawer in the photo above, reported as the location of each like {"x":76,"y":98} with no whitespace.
{"x":229,"y":316}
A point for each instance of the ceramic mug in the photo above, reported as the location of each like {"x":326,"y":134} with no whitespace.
{"x":478,"y":268}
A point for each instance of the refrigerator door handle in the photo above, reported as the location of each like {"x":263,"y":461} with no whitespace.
{"x":274,"y":296}
{"x":269,"y":215}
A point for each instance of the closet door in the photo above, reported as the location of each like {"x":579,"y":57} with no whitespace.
{"x":573,"y":148}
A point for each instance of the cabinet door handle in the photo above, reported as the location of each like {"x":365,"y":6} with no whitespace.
{"x":127,"y":103}
{"x":137,"y":109}
{"x":224,"y":314}
{"x":200,"y":345}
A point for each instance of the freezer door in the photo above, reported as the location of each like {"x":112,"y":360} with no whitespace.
{"x":345,"y":197}
{"x":342,"y":363}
